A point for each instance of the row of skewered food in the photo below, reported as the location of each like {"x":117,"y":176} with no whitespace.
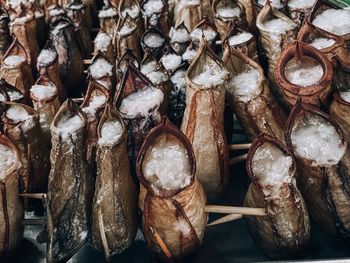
{"x":151,"y":131}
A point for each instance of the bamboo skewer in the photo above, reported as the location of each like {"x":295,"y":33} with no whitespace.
{"x":238,"y":147}
{"x":162,"y":245}
{"x":38,"y":196}
{"x":32,"y":222}
{"x":87,"y":61}
{"x":249,"y":211}
{"x":238,"y":159}
{"x":225,"y":219}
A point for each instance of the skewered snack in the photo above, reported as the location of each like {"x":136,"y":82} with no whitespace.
{"x":158,"y":75}
{"x":155,"y":14}
{"x":302,"y":71}
{"x":227,"y":15}
{"x":45,"y":99}
{"x":103,"y":43}
{"x":114,"y":216}
{"x":5,"y":39}
{"x":285,"y":231}
{"x":203,"y":119}
{"x":187,"y":12}
{"x":94,"y":102}
{"x":243,"y":41}
{"x":122,"y":64}
{"x":127,"y":36}
{"x":170,"y":60}
{"x":15,"y":69}
{"x":276,"y":30}
{"x":108,"y":19}
{"x":47,"y":65}
{"x":153,"y":42}
{"x":23,"y":27}
{"x":133,"y":8}
{"x":62,"y":35}
{"x":70,"y":186}
{"x":21,"y":125}
{"x":172,"y":201}
{"x":138,"y":102}
{"x":249,"y":97}
{"x":10,"y":93}
{"x":179,"y":38}
{"x":334,"y":48}
{"x":322,"y":159}
{"x":335,"y":21}
{"x":298,"y":10}
{"x":190,"y":53}
{"x":206,"y":28}
{"x":339,"y":110}
{"x":55,"y":13}
{"x":11,"y":208}
{"x":76,"y":11}
{"x":101,"y":70}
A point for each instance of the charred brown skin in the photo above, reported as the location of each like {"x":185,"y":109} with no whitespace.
{"x":285,"y":231}
{"x":316,"y":94}
{"x":262,"y":114}
{"x":11,"y":208}
{"x":325,"y":188}
{"x":114,"y":186}
{"x":70,"y":192}
{"x":163,"y":209}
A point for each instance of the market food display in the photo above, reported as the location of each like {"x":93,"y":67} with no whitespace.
{"x":116,"y":118}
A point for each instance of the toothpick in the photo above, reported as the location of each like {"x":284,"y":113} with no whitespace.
{"x":238,"y":147}
{"x":238,"y":159}
{"x":225,"y":219}
{"x":38,"y":196}
{"x":221,"y":209}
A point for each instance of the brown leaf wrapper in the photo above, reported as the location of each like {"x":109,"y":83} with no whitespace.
{"x":77,"y":12}
{"x":325,"y":188}
{"x":261,"y":113}
{"x":127,"y":40}
{"x":163,"y":209}
{"x":19,"y":75}
{"x":5,"y":38}
{"x":205,"y":24}
{"x":46,"y":107}
{"x":158,"y":20}
{"x":51,"y":71}
{"x":340,"y":112}
{"x":180,"y":47}
{"x":138,"y":127}
{"x":24,"y":28}
{"x":272,"y":45}
{"x":224,"y":25}
{"x":248,"y":48}
{"x":298,"y":14}
{"x":315,"y":94}
{"x":33,"y":154}
{"x":128,"y":58}
{"x":106,"y":49}
{"x":205,"y":109}
{"x":337,"y":53}
{"x":285,"y":231}
{"x":189,"y":14}
{"x":319,"y":7}
{"x":70,"y":59}
{"x":93,"y":116}
{"x":155,"y":52}
{"x":11,"y":208}
{"x":114,"y":215}
{"x":109,"y":24}
{"x":10,"y":93}
{"x":70,"y":190}
{"x":107,"y":81}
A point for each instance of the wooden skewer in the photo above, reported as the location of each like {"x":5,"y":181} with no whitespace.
{"x":32,"y":222}
{"x":237,"y":147}
{"x":162,"y":245}
{"x":225,"y":219}
{"x":238,"y":159}
{"x":87,"y":61}
{"x":221,"y":209}
{"x":39,"y":196}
